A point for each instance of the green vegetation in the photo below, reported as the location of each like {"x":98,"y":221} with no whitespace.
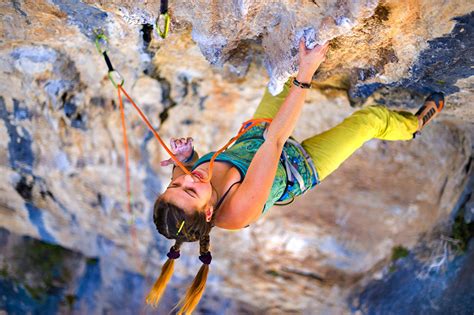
{"x":70,"y":300}
{"x":272,"y":272}
{"x":92,"y":261}
{"x":37,"y":293}
{"x":392,"y":268}
{"x":462,"y":231}
{"x":399,"y":252}
{"x":4,"y":271}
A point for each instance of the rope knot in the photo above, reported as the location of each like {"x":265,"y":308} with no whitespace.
{"x":206,"y":258}
{"x":173,"y":254}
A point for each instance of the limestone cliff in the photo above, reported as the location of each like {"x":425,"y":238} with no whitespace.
{"x":62,"y":189}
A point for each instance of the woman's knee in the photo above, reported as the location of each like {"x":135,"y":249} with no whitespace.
{"x":373,"y":117}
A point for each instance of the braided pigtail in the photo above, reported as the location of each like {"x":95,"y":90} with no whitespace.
{"x":195,"y":291}
{"x":166,"y":272}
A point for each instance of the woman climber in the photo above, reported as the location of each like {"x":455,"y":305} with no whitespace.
{"x":264,"y":166}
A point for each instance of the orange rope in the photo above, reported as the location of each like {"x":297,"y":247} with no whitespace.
{"x":245,"y":127}
{"x":133,"y":230}
{"x":125,"y":144}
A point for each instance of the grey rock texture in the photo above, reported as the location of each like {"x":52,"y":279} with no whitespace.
{"x":61,"y":155}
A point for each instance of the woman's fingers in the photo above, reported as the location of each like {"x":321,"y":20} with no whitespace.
{"x":180,"y":142}
{"x":320,"y":52}
{"x":317,"y":51}
{"x":166,"y":162}
{"x":302,"y":45}
{"x":176,"y":143}
{"x":303,"y":49}
{"x":179,"y":147}
{"x":325,"y":48}
{"x":321,"y":49}
{"x":173,"y":144}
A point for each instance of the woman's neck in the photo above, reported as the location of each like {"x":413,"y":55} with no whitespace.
{"x":224,"y":175}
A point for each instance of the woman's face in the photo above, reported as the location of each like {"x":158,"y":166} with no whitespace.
{"x":189,"y":193}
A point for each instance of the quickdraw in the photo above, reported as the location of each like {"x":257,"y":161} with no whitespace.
{"x":114,"y":76}
{"x":164,"y":15}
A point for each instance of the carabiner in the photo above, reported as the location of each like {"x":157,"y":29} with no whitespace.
{"x":101,"y":42}
{"x":118,"y":77}
{"x":166,"y":29}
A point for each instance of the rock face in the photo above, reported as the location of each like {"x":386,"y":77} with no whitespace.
{"x":440,"y":293}
{"x":61,"y":158}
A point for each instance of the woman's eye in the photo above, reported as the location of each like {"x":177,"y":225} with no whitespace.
{"x":191,"y":192}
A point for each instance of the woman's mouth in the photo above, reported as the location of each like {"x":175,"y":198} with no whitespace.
{"x":198,"y":175}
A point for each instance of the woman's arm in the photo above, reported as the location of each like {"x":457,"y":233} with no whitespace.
{"x":246,"y":204}
{"x":285,"y":120}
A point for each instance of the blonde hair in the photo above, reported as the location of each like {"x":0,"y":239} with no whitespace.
{"x":156,"y":292}
{"x":194,"y":293}
{"x":196,"y":290}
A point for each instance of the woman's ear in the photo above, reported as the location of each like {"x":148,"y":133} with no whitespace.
{"x":209,"y":211}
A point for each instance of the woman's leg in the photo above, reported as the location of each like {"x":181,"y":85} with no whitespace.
{"x":330,"y":148}
{"x":269,"y":105}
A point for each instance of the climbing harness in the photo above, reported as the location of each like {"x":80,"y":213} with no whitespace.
{"x":164,"y":15}
{"x":292,"y":173}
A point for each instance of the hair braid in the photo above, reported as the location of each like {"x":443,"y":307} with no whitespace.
{"x":159,"y":287}
{"x":196,"y":290}
{"x":204,"y":244}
